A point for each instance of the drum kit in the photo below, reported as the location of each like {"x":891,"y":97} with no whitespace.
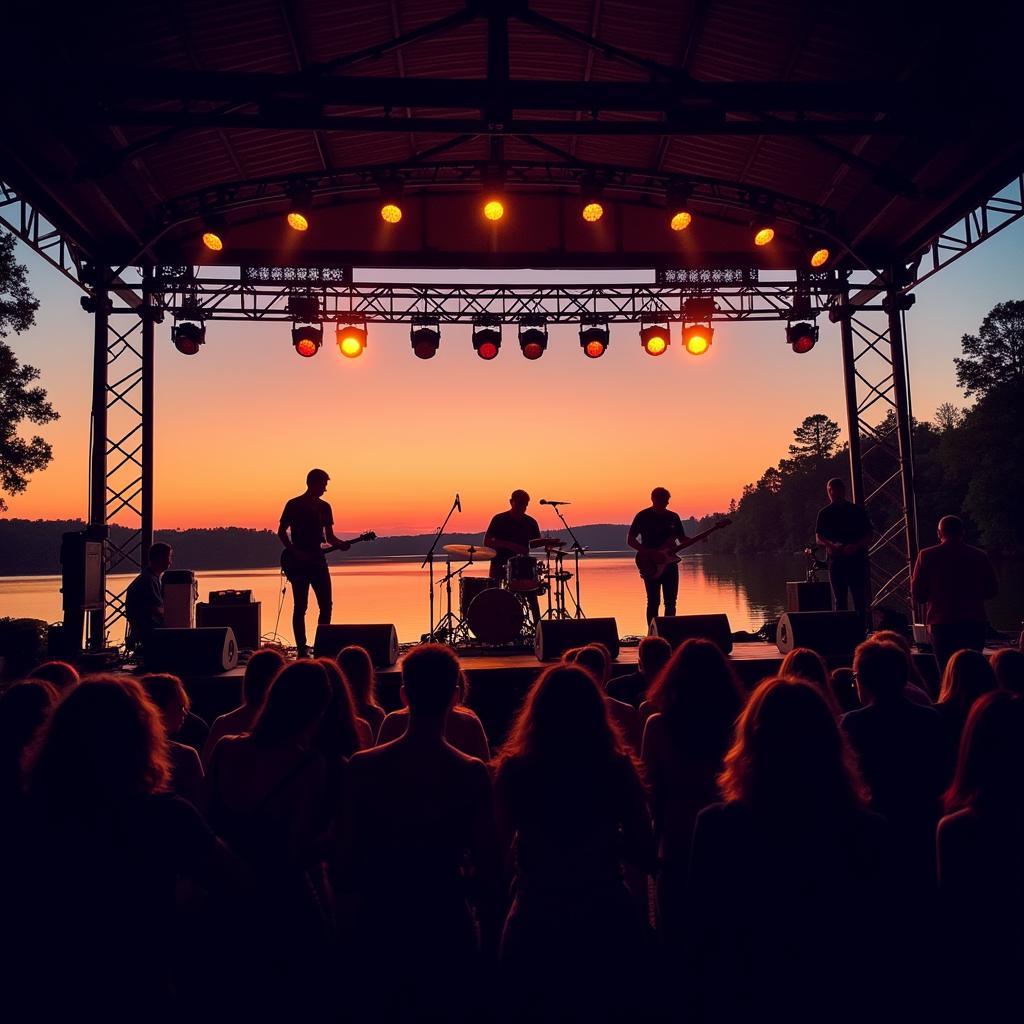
{"x":501,"y":610}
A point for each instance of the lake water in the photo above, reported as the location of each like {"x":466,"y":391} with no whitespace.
{"x":749,"y":591}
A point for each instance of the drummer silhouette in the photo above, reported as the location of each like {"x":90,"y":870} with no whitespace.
{"x":510,"y":533}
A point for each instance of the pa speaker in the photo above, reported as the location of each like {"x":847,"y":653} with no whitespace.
{"x":244,"y":619}
{"x":192,"y":652}
{"x":831,"y":634}
{"x":678,"y":628}
{"x":380,"y":640}
{"x":802,"y":596}
{"x":556,"y":636}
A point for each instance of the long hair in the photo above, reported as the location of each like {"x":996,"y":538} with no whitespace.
{"x":356,"y":664}
{"x":967,"y":677}
{"x":596,"y":660}
{"x":294,"y":703}
{"x":103,"y":744}
{"x":990,"y":766}
{"x":790,"y":754}
{"x":562,"y":748}
{"x":337,"y":736}
{"x":803,"y":663}
{"x":700,"y":698}
{"x":23,"y":709}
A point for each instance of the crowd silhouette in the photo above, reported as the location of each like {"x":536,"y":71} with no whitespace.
{"x":830,"y":846}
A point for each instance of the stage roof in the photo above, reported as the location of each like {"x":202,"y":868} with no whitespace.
{"x":870,"y":126}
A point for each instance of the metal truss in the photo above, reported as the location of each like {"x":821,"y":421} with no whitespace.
{"x":265,"y":294}
{"x":23,"y":220}
{"x":881,"y":455}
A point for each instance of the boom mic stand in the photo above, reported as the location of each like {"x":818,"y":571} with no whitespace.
{"x":456,"y":504}
{"x":577,"y":550}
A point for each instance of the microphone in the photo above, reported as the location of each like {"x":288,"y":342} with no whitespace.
{"x":544,"y":501}
{"x":458,"y":503}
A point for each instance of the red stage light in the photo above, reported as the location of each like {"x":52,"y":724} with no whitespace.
{"x":594,"y":340}
{"x":802,"y":337}
{"x":487,"y":341}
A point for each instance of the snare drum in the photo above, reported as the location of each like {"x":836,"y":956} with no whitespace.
{"x":469,"y":587}
{"x":523,"y":574}
{"x":495,"y":616}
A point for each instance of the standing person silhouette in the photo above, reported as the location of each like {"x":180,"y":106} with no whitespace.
{"x":845,"y":531}
{"x":653,"y":528}
{"x":310,"y":522}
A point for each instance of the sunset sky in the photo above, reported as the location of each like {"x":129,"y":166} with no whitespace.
{"x":239,"y":424}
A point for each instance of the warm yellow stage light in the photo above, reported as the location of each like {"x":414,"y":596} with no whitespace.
{"x":213,"y":241}
{"x":391,"y":213}
{"x":297,"y":221}
{"x":680,"y":220}
{"x":351,"y":346}
{"x":764,"y":236}
{"x":654,"y":340}
{"x":697,"y":343}
{"x":820,"y":257}
{"x":494,"y":209}
{"x":593,"y":212}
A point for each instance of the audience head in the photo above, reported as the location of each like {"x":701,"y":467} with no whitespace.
{"x":789,"y":755}
{"x":836,"y":488}
{"x":23,"y":709}
{"x":337,"y":735}
{"x":881,"y":671}
{"x":652,"y":656}
{"x":843,"y":684}
{"x":102,"y":744}
{"x":1008,"y":666}
{"x":167,"y":692}
{"x":700,"y":697}
{"x":892,"y":636}
{"x":951,"y":528}
{"x":803,"y":663}
{"x":62,"y":675}
{"x":968,"y":675}
{"x":259,"y":674}
{"x":990,"y":768}
{"x":430,"y":680}
{"x":293,"y":706}
{"x":160,"y":557}
{"x":597,"y":661}
{"x":357,"y":665}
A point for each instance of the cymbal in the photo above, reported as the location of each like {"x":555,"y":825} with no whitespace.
{"x":546,"y":542}
{"x":474,"y":552}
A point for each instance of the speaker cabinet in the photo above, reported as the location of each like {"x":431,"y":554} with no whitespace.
{"x":244,"y":619}
{"x":802,"y":596}
{"x":556,"y":636}
{"x":678,"y":628}
{"x":379,"y":638}
{"x":192,"y":652}
{"x":831,"y":634}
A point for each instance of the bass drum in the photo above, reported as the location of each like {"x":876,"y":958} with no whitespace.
{"x":470,"y":587}
{"x":495,"y":616}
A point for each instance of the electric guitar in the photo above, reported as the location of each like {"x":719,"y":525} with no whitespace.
{"x":295,"y":564}
{"x":652,"y":562}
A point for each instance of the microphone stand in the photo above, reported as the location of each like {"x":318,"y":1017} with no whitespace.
{"x":577,"y":550}
{"x":430,"y":559}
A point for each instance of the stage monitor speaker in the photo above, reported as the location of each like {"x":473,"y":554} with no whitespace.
{"x":677,"y":628}
{"x":192,"y":652}
{"x":379,"y":638}
{"x":244,"y":619}
{"x":831,"y":634}
{"x":802,"y":596}
{"x":556,"y":636}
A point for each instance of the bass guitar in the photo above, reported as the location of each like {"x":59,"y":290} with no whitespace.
{"x":296,"y":565}
{"x":652,"y":562}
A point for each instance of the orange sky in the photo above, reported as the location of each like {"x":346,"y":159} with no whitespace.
{"x":239,"y":425}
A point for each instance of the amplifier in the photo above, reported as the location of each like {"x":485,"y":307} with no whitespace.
{"x":230,"y":597}
{"x":802,"y":596}
{"x":244,"y":619}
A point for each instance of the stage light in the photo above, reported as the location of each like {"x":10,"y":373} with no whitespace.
{"x":591,"y":192}
{"x":594,"y":340}
{"x":681,"y":220}
{"x":351,"y":340}
{"x":187,"y":337}
{"x":655,"y":339}
{"x":820,"y":257}
{"x":299,"y":209}
{"x":764,"y":234}
{"x":425,"y":337}
{"x":697,"y":338}
{"x":592,"y":212}
{"x":390,"y":200}
{"x":307,"y":339}
{"x":486,"y":340}
{"x":494,"y":209}
{"x":802,"y":337}
{"x":677,"y":200}
{"x":533,"y":337}
{"x":391,"y":213}
{"x":213,"y":233}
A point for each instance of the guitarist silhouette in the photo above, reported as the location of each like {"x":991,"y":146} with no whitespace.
{"x":310,"y":521}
